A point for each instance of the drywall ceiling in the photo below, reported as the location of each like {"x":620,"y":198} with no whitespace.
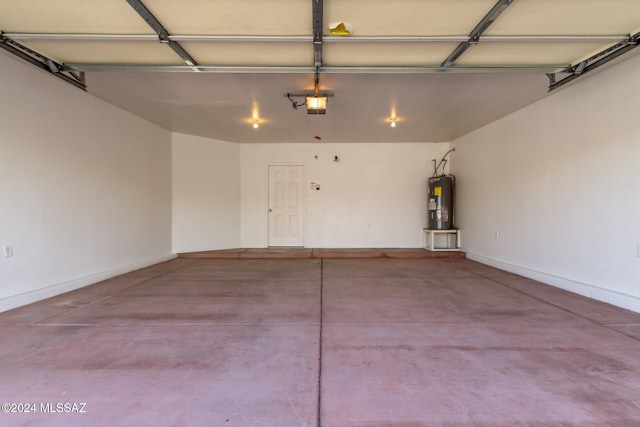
{"x":442,"y":68}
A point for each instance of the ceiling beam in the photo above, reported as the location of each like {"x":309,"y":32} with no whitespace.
{"x":596,"y":61}
{"x":586,"y":38}
{"x":163,"y":34}
{"x":75,"y":77}
{"x":474,"y":36}
{"x":530,"y":69}
{"x":317,"y":32}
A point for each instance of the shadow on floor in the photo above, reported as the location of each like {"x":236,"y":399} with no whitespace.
{"x":322,"y":253}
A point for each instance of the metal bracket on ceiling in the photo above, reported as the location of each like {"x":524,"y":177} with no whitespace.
{"x":552,"y":78}
{"x":598,"y":60}
{"x":163,"y":34}
{"x":579,"y":69}
{"x":76,"y":78}
{"x":474,"y":35}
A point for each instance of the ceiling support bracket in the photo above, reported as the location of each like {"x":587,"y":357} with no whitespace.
{"x":163,"y":34}
{"x":76,"y":78}
{"x":552,"y":78}
{"x":598,"y":60}
{"x":579,"y":69}
{"x":474,"y":36}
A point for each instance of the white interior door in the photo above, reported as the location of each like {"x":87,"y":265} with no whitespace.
{"x":286,"y":205}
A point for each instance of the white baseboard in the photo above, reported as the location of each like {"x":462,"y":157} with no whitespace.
{"x":19,"y":300}
{"x":618,"y":299}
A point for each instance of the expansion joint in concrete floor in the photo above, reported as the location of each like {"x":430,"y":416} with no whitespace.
{"x":320,"y":344}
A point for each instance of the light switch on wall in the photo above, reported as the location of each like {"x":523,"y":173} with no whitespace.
{"x":7,"y":250}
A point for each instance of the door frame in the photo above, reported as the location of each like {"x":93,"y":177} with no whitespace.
{"x":304,"y":196}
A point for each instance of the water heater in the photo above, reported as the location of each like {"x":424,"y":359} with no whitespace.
{"x":440,"y":203}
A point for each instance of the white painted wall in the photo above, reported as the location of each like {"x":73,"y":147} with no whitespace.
{"x":85,"y":192}
{"x":559,"y":181}
{"x":374,"y":197}
{"x":206,"y":194}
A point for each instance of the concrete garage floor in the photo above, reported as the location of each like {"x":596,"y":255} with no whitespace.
{"x":313,"y":340}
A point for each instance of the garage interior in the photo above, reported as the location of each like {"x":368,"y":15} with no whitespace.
{"x":141,"y":272}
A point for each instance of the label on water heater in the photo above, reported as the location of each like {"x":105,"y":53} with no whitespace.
{"x":432,"y":204}
{"x":437,"y":191}
{"x":442,"y":214}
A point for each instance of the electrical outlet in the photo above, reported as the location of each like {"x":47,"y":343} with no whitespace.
{"x":7,"y":250}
